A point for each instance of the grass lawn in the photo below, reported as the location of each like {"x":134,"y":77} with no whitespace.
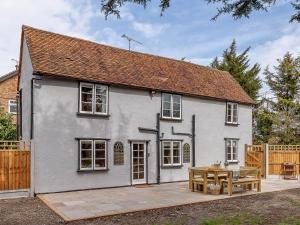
{"x":278,"y":208}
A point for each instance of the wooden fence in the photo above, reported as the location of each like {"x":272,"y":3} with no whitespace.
{"x":14,"y":165}
{"x":269,"y":158}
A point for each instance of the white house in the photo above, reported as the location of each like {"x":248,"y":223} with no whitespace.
{"x":99,"y":116}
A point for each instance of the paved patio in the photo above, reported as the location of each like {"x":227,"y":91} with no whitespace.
{"x":103,"y":202}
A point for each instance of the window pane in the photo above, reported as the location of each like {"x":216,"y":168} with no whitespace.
{"x":119,"y":153}
{"x":166,"y":97}
{"x":101,"y":98}
{"x":186,"y":153}
{"x":166,"y":113}
{"x":167,"y":160}
{"x":176,"y":114}
{"x":235,"y":114}
{"x":229,"y":112}
{"x":176,"y":99}
{"x":12,"y":106}
{"x":86,"y":163}
{"x":167,"y":105}
{"x":176,"y":106}
{"x":100,"y":154}
{"x":87,"y":98}
{"x":176,"y":160}
{"x":86,"y":154}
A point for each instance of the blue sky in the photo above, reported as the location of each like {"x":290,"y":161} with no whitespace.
{"x":183,"y":31}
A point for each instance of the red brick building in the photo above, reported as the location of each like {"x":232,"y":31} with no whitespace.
{"x":8,"y":93}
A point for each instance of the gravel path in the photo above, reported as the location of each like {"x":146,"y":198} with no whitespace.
{"x":268,"y":208}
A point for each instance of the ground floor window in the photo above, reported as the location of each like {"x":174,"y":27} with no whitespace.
{"x":171,"y":153}
{"x":12,"y":106}
{"x":231,"y":150}
{"x":93,"y":154}
{"x":186,"y":153}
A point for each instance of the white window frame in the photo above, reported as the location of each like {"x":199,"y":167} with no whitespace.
{"x":172,"y":108}
{"x":231,"y":150}
{"x":93,"y":155}
{"x":93,"y":86}
{"x":172,"y":154}
{"x":10,"y":103}
{"x":232,"y":104}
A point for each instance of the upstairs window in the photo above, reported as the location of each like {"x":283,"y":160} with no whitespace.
{"x":171,"y":151}
{"x":171,"y":106}
{"x":12,"y":106}
{"x":231,"y":150}
{"x":93,"y":98}
{"x":93,"y":155}
{"x":232,"y":113}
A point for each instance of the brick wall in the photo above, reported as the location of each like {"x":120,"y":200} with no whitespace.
{"x":8,"y":91}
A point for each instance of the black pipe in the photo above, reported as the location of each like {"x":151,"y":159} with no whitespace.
{"x":31,"y":108}
{"x":193,"y":140}
{"x":158,"y":146}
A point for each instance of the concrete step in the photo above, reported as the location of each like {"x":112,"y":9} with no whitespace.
{"x":21,"y":193}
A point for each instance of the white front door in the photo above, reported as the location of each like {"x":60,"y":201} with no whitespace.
{"x":138,"y":162}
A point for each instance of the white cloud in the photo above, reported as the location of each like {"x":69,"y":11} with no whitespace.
{"x":149,"y":30}
{"x":63,"y":16}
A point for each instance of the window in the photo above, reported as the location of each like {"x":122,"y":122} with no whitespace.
{"x":118,"y":153}
{"x":93,"y":155}
{"x":232,"y":113}
{"x":12,"y":106}
{"x":93,"y":98}
{"x":186,"y":153}
{"x":171,"y":106}
{"x":231,"y":150}
{"x":171,"y":153}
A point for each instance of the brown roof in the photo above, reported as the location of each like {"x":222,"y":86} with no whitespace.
{"x":59,"y":55}
{"x":8,"y":75}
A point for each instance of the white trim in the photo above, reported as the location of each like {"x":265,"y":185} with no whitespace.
{"x":139,"y":181}
{"x":172,"y":153}
{"x":95,"y":101}
{"x":94,"y":155}
{"x":80,"y":97}
{"x":171,"y":107}
{"x":231,"y":150}
{"x":10,"y":104}
{"x":232,"y":104}
{"x":80,"y":149}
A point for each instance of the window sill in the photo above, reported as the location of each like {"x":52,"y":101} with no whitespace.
{"x":172,"y":167}
{"x":232,"y":124}
{"x":171,"y":119}
{"x":92,"y":115}
{"x":233,"y":162}
{"x":92,"y":171}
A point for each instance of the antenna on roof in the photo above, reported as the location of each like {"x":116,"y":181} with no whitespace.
{"x":129,"y":39}
{"x":17,"y":63}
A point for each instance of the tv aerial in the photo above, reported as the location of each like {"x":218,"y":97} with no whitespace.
{"x":129,"y":39}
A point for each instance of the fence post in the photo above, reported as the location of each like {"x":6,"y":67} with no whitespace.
{"x":266,"y":161}
{"x":245,"y":156}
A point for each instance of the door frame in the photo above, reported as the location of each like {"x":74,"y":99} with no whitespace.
{"x":145,"y":143}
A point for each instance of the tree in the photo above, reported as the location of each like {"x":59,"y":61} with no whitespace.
{"x":8,"y":130}
{"x":284,"y":85}
{"x":238,"y":66}
{"x":236,"y":8}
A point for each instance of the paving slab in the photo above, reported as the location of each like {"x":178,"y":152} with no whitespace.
{"x":86,"y":204}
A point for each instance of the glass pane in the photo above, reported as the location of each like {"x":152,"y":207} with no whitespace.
{"x":135,"y":147}
{"x":101,"y":108}
{"x":141,"y":175}
{"x":176,"y":99}
{"x":141,"y":154}
{"x":176,"y":114}
{"x":234,"y":157}
{"x":135,"y":176}
{"x":167,"y":113}
{"x":135,"y":168}
{"x":99,"y":145}
{"x":86,"y":163}
{"x":86,"y":145}
{"x":176,"y":160}
{"x":167,"y":160}
{"x":141,"y":168}
{"x":87,"y":107}
{"x":166,"y":97}
{"x":100,"y":163}
{"x":186,"y":153}
{"x":235,"y":112}
{"x":86,"y":154}
{"x":141,"y":160}
{"x":167,"y":105}
{"x":135,"y":154}
{"x":141,"y":147}
{"x":229,"y":113}
{"x":100,"y":154}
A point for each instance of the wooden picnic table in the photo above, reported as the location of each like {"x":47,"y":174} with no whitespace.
{"x":223,"y":176}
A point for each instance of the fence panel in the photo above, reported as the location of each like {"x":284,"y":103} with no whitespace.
{"x":14,"y":166}
{"x":279,"y":154}
{"x":255,"y":157}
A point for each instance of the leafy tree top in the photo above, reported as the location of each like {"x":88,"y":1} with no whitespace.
{"x":236,"y":8}
{"x":238,"y":65}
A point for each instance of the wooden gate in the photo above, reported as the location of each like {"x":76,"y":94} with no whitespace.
{"x":14,"y":166}
{"x":255,"y":157}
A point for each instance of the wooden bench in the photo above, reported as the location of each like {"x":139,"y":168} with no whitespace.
{"x":199,"y":180}
{"x":248,"y":178}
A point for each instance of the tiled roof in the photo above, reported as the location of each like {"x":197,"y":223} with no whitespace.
{"x":59,"y":55}
{"x":8,"y":75}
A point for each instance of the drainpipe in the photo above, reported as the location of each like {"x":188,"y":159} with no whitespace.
{"x":193,"y":140}
{"x":158,"y":146}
